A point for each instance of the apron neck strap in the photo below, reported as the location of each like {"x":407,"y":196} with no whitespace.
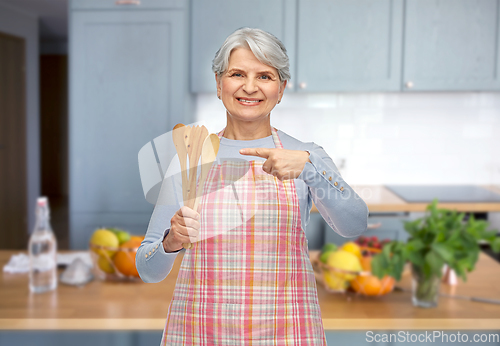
{"x":274,"y":132}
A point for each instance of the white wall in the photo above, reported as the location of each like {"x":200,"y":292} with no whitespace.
{"x":23,"y":24}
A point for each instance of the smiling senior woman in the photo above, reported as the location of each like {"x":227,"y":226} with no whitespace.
{"x":254,"y":281}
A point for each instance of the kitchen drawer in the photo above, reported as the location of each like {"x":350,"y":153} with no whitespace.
{"x":126,"y":4}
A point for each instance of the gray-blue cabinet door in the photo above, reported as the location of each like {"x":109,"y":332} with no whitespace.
{"x":212,"y":21}
{"x":349,"y":45}
{"x":451,"y":45}
{"x":127,"y":81}
{"x":126,"y":5}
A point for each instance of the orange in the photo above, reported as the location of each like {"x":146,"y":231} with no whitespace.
{"x":371,"y":285}
{"x":387,"y":284}
{"x":367,"y":284}
{"x":124,"y":260}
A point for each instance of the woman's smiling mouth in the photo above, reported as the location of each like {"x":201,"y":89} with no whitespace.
{"x":248,"y":102}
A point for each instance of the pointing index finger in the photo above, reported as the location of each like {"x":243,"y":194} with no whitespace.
{"x":261,"y":152}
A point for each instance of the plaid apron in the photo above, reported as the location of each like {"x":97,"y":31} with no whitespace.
{"x":249,"y":281}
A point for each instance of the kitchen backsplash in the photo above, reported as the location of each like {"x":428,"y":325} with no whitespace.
{"x":392,"y":138}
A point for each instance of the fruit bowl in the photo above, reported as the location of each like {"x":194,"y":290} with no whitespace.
{"x":334,"y":280}
{"x":113,"y":254}
{"x":114,"y":263}
{"x":362,"y":282}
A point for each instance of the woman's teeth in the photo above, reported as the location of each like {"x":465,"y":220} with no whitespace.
{"x":248,"y":101}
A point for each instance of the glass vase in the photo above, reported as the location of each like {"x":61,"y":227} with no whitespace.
{"x":425,"y":290}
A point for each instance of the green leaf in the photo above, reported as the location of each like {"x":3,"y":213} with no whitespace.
{"x":386,"y":251}
{"x":377,"y":266}
{"x":415,"y":245}
{"x":444,"y":251}
{"x":490,"y":235}
{"x":417,"y":258}
{"x":495,"y":245}
{"x":398,"y":266}
{"x":412,"y":227}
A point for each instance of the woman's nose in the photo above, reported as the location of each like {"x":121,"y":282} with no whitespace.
{"x":250,"y":86}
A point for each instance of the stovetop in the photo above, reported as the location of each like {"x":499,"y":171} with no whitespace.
{"x":444,"y":193}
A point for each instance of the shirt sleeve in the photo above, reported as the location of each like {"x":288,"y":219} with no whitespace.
{"x":339,"y":205}
{"x":152,"y":262}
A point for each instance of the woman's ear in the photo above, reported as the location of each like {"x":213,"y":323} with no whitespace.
{"x":217,"y":82}
{"x":282,"y":88}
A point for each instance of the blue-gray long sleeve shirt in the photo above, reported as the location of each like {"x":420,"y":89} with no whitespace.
{"x":320,"y":181}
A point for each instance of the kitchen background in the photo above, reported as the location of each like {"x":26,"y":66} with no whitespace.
{"x":396,"y":92}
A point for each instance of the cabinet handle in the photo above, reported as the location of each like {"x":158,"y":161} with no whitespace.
{"x":409,"y":84}
{"x":302,"y":85}
{"x":127,"y":2}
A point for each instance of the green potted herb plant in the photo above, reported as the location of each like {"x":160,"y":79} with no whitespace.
{"x":440,"y":237}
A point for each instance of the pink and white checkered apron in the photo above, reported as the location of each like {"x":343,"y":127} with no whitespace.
{"x":253,"y":283}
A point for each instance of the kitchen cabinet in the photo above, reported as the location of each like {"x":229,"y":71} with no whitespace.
{"x":127,"y":86}
{"x":323,"y":32}
{"x":126,"y":5}
{"x":362,"y":45}
{"x":349,"y":45}
{"x":212,"y":21}
{"x":451,"y":45}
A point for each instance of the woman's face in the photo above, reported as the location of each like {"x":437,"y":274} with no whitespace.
{"x":249,"y":89}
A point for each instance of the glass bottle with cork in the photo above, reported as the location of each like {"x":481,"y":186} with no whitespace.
{"x":42,"y":249}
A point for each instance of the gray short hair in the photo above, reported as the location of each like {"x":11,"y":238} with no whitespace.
{"x":266,"y":47}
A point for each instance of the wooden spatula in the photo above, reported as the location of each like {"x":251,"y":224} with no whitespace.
{"x":208,"y":155}
{"x":193,"y":138}
{"x":194,"y":143}
{"x":179,"y":133}
{"x":180,"y":147}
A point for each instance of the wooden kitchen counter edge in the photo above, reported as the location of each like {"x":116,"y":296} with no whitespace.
{"x":379,"y":199}
{"x":130,"y":324}
{"x":397,"y":314}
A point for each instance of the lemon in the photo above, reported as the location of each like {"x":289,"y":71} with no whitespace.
{"x":104,"y":237}
{"x":353,"y":248}
{"x":345,"y":261}
{"x":334,"y":281}
{"x":324,"y":256}
{"x":105,"y":265}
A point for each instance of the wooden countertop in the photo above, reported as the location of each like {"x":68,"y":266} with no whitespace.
{"x":141,"y":306}
{"x":380,"y":199}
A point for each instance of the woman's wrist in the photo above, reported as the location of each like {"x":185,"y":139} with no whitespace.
{"x":308,"y":155}
{"x":166,"y":244}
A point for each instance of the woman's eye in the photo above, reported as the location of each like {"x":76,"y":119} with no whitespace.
{"x":236,"y":75}
{"x":264,"y":77}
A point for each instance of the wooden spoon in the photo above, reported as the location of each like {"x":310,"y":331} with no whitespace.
{"x":208,"y":155}
{"x":186,"y":138}
{"x":180,"y":147}
{"x":194,"y":142}
{"x":178,"y":135}
{"x":193,"y":139}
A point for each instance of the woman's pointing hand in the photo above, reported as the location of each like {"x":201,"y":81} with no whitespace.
{"x":282,"y":163}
